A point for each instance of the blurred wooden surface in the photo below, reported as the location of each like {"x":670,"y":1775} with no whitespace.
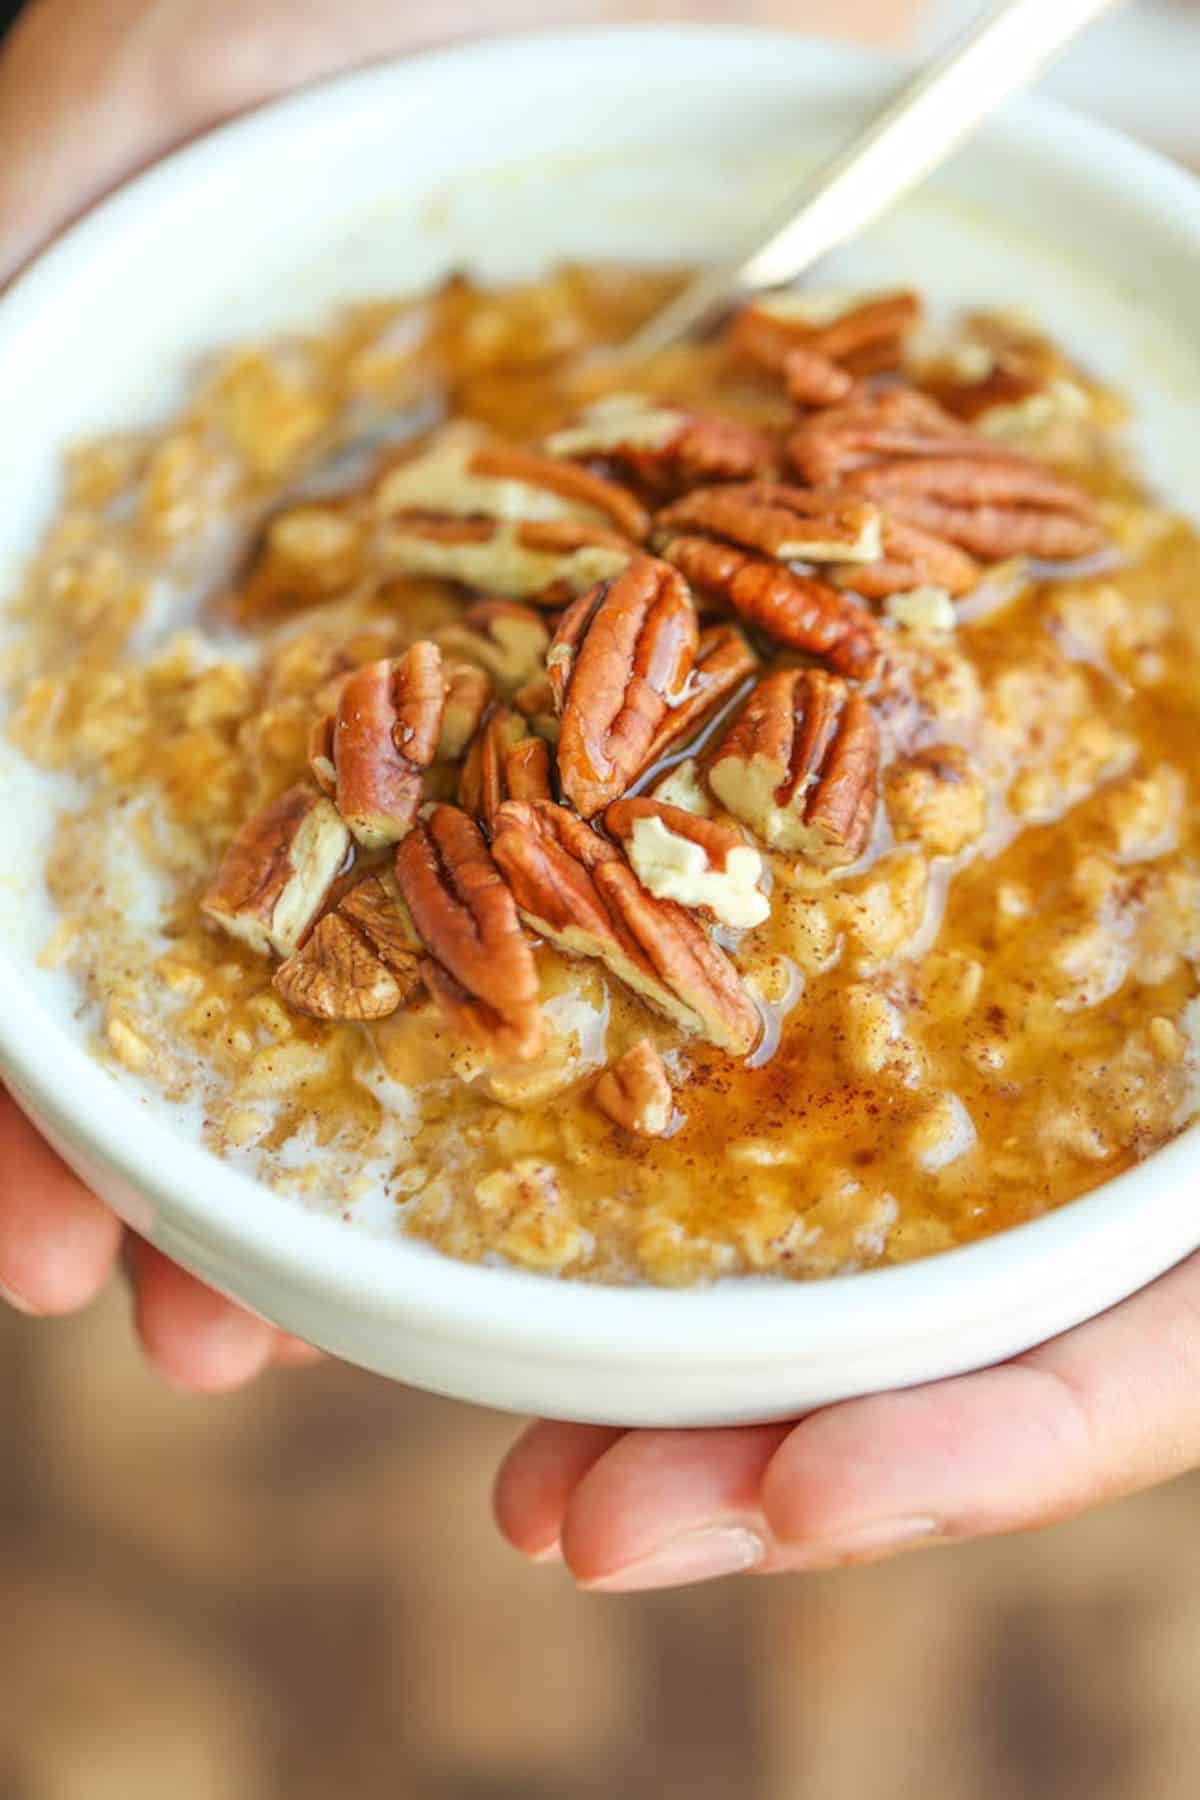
{"x":297,"y":1594}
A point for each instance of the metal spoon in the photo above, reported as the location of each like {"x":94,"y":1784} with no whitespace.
{"x":916,"y":132}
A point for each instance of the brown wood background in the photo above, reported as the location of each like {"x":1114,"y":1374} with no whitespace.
{"x":297,"y":1594}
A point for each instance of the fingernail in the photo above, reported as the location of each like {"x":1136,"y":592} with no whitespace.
{"x":866,"y":1543}
{"x":15,"y":1301}
{"x":551,"y":1554}
{"x":701,"y":1555}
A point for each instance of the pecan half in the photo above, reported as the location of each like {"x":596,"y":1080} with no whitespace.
{"x":362,"y":961}
{"x":927,"y":469}
{"x":503,"y":763}
{"x":543,"y":562}
{"x":635,"y":1092}
{"x":461,"y":477}
{"x":699,"y":862}
{"x":275,"y":875}
{"x":723,"y":661}
{"x":875,"y":427}
{"x":663,"y":449}
{"x":801,"y":766}
{"x":620,"y":660}
{"x":480,"y":967}
{"x":510,"y":641}
{"x":911,"y":559}
{"x":371,"y":755}
{"x":468,"y":691}
{"x":993,"y":507}
{"x":796,"y":610}
{"x":576,"y":889}
{"x":864,"y":333}
{"x":790,"y":523}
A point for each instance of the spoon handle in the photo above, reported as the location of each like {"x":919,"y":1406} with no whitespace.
{"x":928,"y":119}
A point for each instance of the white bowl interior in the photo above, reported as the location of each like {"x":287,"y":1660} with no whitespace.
{"x":653,"y":145}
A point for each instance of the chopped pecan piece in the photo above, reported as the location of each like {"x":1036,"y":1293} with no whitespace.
{"x":664,"y":450}
{"x":509,"y":640}
{"x":699,"y":862}
{"x":503,"y":763}
{"x":620,"y":660}
{"x":801,"y":766}
{"x":796,"y":610}
{"x":576,"y":889}
{"x":464,"y":478}
{"x":371,"y":755}
{"x":468,"y":691}
{"x":480,"y":966}
{"x":864,"y":333}
{"x":635,"y":1092}
{"x":362,"y":961}
{"x":911,"y":559}
{"x":279,"y":868}
{"x":546,"y":563}
{"x":723,"y":661}
{"x":790,"y":523}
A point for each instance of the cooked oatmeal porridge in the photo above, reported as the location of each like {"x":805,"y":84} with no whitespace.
{"x":735,"y":815}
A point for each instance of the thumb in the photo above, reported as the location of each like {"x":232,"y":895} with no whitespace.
{"x":1103,"y":1411}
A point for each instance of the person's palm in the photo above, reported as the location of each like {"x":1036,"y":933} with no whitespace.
{"x":89,"y":93}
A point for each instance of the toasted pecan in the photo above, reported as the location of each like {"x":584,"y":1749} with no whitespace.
{"x":865,"y":334}
{"x":362,"y":961}
{"x":480,"y":967}
{"x":468,"y":692}
{"x":545,"y":562}
{"x":371,"y":755}
{"x":796,"y":610}
{"x":576,"y":889}
{"x":664,"y":450}
{"x":800,"y":766}
{"x":911,"y":559}
{"x":724,"y":660}
{"x":277,"y":872}
{"x":929,"y":470}
{"x":464,"y":476}
{"x":992,"y":507}
{"x":620,"y":660}
{"x":790,"y":523}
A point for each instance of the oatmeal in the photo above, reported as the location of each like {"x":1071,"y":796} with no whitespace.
{"x":734,"y":815}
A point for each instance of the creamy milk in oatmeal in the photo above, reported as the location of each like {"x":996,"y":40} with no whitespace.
{"x":734,"y":815}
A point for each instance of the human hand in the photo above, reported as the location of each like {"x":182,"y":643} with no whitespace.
{"x":1101,"y":1412}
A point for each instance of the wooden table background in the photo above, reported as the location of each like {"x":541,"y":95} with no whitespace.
{"x":297,"y":1594}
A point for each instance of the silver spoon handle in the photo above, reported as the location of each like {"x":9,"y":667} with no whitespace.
{"x":916,"y":132}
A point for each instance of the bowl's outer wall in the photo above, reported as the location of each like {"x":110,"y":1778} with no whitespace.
{"x":278,"y":218}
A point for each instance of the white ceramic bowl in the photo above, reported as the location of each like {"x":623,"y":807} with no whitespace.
{"x":652,"y":143}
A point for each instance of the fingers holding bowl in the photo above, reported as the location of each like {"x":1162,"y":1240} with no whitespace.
{"x":58,"y":1243}
{"x":1098,"y":1413}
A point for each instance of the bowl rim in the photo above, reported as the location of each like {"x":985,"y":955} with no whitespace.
{"x":732,"y":1321}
